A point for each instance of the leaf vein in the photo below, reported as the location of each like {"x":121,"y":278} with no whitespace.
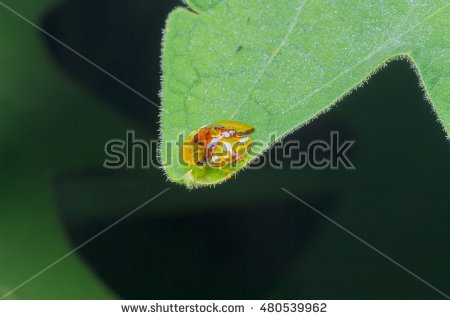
{"x":370,"y":55}
{"x":294,"y":23}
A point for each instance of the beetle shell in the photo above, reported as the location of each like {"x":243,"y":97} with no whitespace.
{"x":218,"y":144}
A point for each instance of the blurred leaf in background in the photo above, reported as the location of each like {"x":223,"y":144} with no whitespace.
{"x":48,"y":124}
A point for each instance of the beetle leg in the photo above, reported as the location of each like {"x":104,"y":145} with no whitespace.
{"x":227,"y":171}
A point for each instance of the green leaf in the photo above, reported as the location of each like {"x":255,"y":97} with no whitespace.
{"x":48,"y":125}
{"x":296,"y":58}
{"x":202,"y":5}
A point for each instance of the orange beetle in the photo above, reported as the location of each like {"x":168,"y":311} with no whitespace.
{"x":218,"y":144}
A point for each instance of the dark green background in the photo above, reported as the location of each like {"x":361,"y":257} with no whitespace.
{"x":247,"y":238}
